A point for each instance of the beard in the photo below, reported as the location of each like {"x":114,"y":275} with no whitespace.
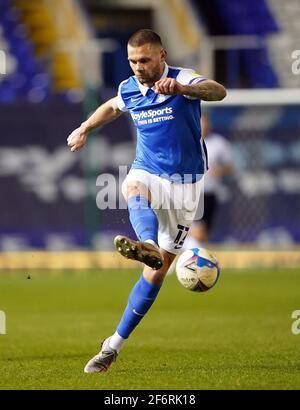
{"x":149,"y":78}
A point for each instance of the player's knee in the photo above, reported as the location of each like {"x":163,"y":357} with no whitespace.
{"x":135,"y":188}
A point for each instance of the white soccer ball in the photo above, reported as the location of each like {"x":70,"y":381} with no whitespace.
{"x":197,"y":270}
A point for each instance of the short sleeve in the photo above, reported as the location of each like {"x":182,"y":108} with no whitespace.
{"x":189,"y":77}
{"x":120,"y":101}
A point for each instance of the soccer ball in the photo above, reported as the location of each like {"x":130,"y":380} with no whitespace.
{"x":197,"y":270}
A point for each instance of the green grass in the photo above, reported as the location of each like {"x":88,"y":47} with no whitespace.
{"x":236,"y":336}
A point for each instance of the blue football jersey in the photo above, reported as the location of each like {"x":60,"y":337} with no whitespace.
{"x":169,"y":141}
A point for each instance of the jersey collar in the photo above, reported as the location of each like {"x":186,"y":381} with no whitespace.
{"x":144,"y":89}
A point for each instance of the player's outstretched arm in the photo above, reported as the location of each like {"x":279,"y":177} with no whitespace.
{"x":106,"y":113}
{"x":207,"y":90}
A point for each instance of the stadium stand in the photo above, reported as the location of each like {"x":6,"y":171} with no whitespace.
{"x":247,"y":18}
{"x":41,"y":52}
{"x":45,"y":33}
{"x":26,"y":76}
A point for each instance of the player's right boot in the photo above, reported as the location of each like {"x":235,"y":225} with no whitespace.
{"x":102,"y":361}
{"x":139,"y":251}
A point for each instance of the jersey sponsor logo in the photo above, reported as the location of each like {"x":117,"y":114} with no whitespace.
{"x":153,"y":116}
{"x":151,"y":113}
{"x":161,"y":98}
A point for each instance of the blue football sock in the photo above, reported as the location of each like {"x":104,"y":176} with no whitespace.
{"x":140,"y":300}
{"x":143,"y":219}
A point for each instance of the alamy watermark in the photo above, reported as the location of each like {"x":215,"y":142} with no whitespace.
{"x":296,"y":63}
{"x":296,"y":324}
{"x":2,"y":62}
{"x":2,"y":323}
{"x":182,"y":194}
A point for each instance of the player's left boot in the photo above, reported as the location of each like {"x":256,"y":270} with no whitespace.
{"x":139,"y":251}
{"x":102,"y":361}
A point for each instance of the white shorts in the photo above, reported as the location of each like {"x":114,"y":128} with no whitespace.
{"x":175,"y":205}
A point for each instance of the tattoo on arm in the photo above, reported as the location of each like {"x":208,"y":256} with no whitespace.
{"x":207,"y":90}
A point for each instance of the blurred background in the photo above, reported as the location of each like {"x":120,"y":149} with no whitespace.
{"x":59,"y":60}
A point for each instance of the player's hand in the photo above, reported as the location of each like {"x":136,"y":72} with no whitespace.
{"x":77,"y":139}
{"x":168,"y":86}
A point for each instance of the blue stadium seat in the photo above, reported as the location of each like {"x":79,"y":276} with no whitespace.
{"x":30,"y":80}
{"x":252,"y":17}
{"x":247,"y":17}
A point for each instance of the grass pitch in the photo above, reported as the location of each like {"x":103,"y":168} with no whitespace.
{"x":236,"y":336}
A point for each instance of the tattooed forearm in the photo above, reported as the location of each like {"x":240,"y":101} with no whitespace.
{"x":207,"y":90}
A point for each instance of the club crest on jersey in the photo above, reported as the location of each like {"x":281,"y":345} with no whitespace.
{"x":161,"y":98}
